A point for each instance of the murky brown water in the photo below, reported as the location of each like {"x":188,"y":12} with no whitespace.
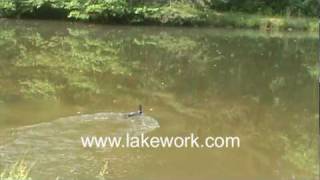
{"x":214,"y":82}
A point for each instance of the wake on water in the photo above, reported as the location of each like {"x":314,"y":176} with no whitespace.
{"x":56,"y":148}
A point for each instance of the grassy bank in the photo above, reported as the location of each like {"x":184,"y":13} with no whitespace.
{"x":266,"y":23}
{"x":173,"y":14}
{"x":184,"y":14}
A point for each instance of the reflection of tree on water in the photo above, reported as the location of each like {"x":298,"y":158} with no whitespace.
{"x":249,"y":83}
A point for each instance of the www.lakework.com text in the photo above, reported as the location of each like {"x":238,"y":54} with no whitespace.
{"x":143,"y":141}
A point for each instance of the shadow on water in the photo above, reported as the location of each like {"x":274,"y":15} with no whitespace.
{"x":209,"y":81}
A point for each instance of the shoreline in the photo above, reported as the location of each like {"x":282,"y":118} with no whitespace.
{"x":231,"y":20}
{"x":263,"y":22}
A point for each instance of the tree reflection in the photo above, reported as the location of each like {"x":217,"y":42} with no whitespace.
{"x":239,"y":82}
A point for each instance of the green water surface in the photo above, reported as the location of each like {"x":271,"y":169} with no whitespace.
{"x":212,"y":82}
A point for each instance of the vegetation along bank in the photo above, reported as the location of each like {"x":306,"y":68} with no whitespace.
{"x":268,"y":15}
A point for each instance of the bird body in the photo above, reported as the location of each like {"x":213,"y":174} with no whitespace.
{"x":137,"y":113}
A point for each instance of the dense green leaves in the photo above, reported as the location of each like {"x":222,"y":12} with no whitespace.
{"x":97,"y":9}
{"x":177,"y":12}
{"x":103,"y":11}
{"x":285,"y":7}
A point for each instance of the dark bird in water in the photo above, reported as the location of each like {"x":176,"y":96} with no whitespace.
{"x":137,"y":113}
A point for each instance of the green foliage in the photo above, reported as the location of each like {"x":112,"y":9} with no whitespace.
{"x":141,"y":14}
{"x":265,"y":23}
{"x":104,"y":11}
{"x":269,"y":7}
{"x":7,"y":7}
{"x":175,"y":14}
{"x":101,"y":9}
{"x":179,"y":12}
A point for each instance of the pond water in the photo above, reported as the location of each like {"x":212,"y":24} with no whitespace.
{"x":213,"y":82}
